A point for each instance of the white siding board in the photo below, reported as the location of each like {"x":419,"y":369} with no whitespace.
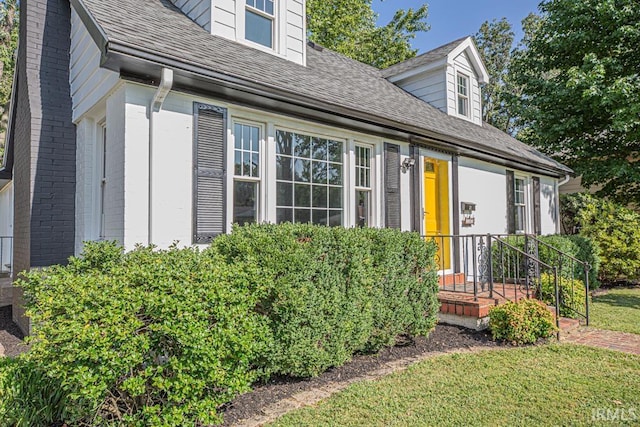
{"x":224,"y":18}
{"x":88,"y":82}
{"x":548,"y":206}
{"x":6,"y":224}
{"x":430,"y":87}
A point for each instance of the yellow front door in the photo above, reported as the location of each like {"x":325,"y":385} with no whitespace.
{"x":436,"y":207}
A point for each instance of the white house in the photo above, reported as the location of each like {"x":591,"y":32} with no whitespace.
{"x":152,"y":121}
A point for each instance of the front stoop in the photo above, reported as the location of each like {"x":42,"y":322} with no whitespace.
{"x":463,"y":310}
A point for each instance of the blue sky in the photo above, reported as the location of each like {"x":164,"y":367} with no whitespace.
{"x":452,"y":19}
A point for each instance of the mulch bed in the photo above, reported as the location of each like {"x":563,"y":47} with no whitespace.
{"x":11,"y":337}
{"x":443,"y":338}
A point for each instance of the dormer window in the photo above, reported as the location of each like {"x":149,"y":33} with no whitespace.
{"x":463,"y":95}
{"x":259,"y":22}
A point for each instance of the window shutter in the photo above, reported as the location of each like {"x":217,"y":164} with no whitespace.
{"x":537,"y":216}
{"x":209,"y":219}
{"x":392,"y":185}
{"x":511,"y":200}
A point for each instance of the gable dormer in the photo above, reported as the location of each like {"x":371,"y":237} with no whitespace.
{"x":274,"y":26}
{"x":448,"y":77}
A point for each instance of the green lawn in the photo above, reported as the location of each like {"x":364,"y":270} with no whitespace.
{"x":617,"y":310}
{"x":557,"y":384}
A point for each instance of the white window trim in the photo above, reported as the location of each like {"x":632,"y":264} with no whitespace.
{"x":527,"y":202}
{"x":372,"y":220}
{"x":277,"y":23}
{"x":262,"y":170}
{"x":467,"y":97}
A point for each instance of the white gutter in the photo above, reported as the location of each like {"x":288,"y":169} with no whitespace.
{"x":564,"y":181}
{"x":166,"y":83}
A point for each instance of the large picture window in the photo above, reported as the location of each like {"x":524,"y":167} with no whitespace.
{"x":246,"y":184}
{"x":259,"y":22}
{"x":309,"y":179}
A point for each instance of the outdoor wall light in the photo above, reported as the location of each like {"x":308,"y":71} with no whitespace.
{"x":407,"y":164}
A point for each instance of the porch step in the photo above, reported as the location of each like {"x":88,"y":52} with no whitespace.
{"x":451,"y":279}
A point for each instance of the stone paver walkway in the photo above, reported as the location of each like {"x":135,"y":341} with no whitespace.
{"x":620,"y":341}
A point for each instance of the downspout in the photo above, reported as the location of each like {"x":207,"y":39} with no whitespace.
{"x":166,"y":83}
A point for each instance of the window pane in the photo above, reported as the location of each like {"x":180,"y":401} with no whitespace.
{"x":362,"y":208}
{"x":251,"y":3}
{"x":319,"y":149}
{"x":284,"y":168}
{"x":335,"y":218}
{"x":335,"y":197}
{"x":237,"y":133}
{"x":245,"y":202}
{"x":303,"y":216}
{"x":284,"y":142}
{"x":303,"y":170}
{"x":284,"y":215}
{"x":320,"y":217}
{"x":285,"y":194}
{"x":302,"y":146}
{"x":258,"y":29}
{"x":255,"y":138}
{"x":238,"y":163}
{"x":335,"y":174}
{"x":303,"y":195}
{"x":320,"y":172}
{"x":269,"y":7}
{"x":335,"y":151}
{"x":319,"y":196}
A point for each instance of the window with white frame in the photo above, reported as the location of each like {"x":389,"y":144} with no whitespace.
{"x":259,"y":22}
{"x":309,"y":179}
{"x":102,"y":156}
{"x":246,"y":182}
{"x":363,"y":185}
{"x":463,"y":95}
{"x":520,"y":204}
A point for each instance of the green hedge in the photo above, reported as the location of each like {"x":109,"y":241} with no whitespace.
{"x":571,"y":292}
{"x":165,"y":337}
{"x":331,"y":292}
{"x":613,"y":228}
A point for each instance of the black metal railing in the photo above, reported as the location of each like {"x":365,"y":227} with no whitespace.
{"x":6,"y":255}
{"x":512,"y":267}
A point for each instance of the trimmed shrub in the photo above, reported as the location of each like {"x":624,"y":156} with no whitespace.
{"x":144,"y":338}
{"x":613,"y":228}
{"x":522,"y":322}
{"x":571,"y":291}
{"x":165,"y":337}
{"x":332,"y":292}
{"x":589,"y":252}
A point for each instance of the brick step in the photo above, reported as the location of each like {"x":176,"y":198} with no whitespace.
{"x":451,"y":279}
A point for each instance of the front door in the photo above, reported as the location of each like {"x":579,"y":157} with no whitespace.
{"x":436,"y":208}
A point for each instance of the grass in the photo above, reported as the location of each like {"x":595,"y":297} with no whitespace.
{"x":558,"y":384}
{"x":617,"y":310}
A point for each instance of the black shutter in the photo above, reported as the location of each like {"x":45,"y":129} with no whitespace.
{"x":537,"y":217}
{"x":511,"y":200}
{"x":392,"y":185}
{"x":209,"y":219}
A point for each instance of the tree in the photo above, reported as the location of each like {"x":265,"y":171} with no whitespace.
{"x":8,"y":45}
{"x":494,"y":41}
{"x":580,"y":78}
{"x":349,"y":27}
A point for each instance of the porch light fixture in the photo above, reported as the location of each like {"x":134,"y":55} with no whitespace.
{"x":407,"y":164}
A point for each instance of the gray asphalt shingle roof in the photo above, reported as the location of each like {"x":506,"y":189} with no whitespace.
{"x":158,"y":26}
{"x":423,"y":59}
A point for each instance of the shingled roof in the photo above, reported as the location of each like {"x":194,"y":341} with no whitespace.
{"x":158,"y":27}
{"x":423,"y":59}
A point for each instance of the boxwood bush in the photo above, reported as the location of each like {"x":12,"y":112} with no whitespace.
{"x":165,"y":337}
{"x":331,"y":292}
{"x":522,"y":322}
{"x":148,"y":337}
{"x":571,"y":292}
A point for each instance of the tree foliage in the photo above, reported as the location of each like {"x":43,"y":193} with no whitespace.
{"x":349,"y":27}
{"x":580,"y":78}
{"x":8,"y":45}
